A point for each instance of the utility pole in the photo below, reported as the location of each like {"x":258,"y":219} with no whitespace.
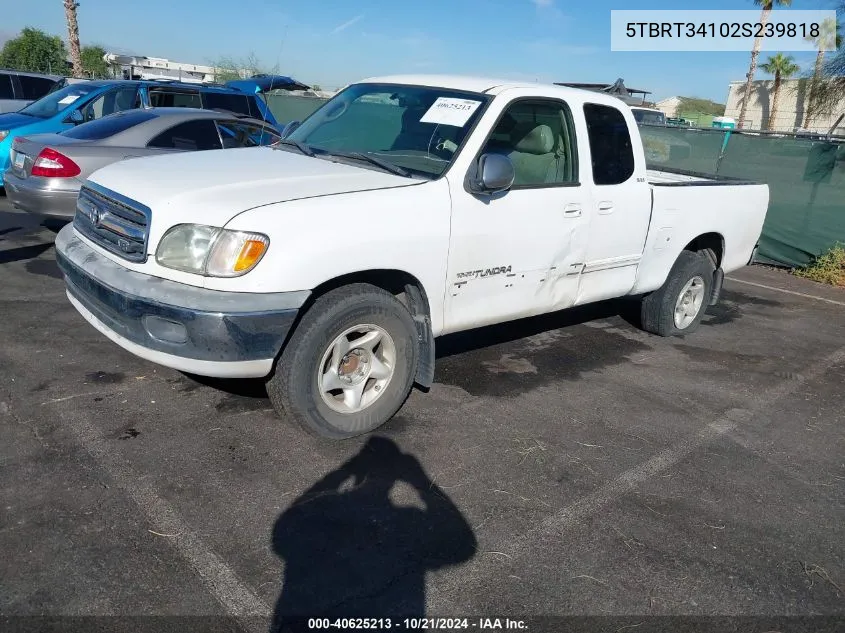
{"x":73,"y":36}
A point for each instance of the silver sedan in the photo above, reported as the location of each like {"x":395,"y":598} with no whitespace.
{"x":47,"y":170}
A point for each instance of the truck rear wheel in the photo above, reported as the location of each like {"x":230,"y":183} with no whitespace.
{"x":678,"y":306}
{"x":349,"y":365}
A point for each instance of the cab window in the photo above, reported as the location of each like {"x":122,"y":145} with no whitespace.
{"x":612,"y":154}
{"x":539,"y":139}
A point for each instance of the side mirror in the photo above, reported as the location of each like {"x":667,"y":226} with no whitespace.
{"x":76,"y":117}
{"x":494,"y":174}
{"x":290,"y":127}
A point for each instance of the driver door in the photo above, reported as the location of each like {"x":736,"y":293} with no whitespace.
{"x":520,"y":252}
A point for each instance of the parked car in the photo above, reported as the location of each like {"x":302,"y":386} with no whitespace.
{"x":86,"y":101}
{"x":48,"y":169}
{"x":403,"y":209}
{"x":18,"y":89}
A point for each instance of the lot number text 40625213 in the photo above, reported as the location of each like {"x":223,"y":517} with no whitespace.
{"x":419,"y":624}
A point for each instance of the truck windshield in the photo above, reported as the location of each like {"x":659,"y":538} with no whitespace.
{"x":417,"y":129}
{"x":55,"y":102}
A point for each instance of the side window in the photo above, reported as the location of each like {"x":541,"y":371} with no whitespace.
{"x":239,"y":134}
{"x":200,"y":134}
{"x":35,"y":87}
{"x":239,"y":104}
{"x":172,"y":99}
{"x":6,"y":91}
{"x":109,"y":103}
{"x":539,"y":139}
{"x":610,"y":144}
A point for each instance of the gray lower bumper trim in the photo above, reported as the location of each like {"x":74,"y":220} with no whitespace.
{"x":169,"y":292}
{"x":210,"y":334}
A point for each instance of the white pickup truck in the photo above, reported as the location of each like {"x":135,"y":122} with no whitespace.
{"x":403,"y":209}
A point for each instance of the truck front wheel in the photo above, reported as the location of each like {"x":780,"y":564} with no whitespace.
{"x":678,"y":306}
{"x":349,"y":365}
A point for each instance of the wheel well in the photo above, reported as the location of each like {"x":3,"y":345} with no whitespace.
{"x":410,"y":292}
{"x":396,"y":282}
{"x":711,"y":243}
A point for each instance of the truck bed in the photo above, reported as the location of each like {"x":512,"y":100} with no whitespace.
{"x":686,"y":206}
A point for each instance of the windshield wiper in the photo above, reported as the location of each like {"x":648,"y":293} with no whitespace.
{"x":302,"y":147}
{"x":394,"y":169}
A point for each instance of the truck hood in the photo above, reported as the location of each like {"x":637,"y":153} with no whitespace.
{"x":211,"y":187}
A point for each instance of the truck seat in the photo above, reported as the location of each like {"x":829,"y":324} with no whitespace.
{"x":533,"y":154}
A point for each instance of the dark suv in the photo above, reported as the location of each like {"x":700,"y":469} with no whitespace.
{"x":18,"y":89}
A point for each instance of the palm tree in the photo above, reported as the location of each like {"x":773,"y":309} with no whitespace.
{"x":828,"y":35}
{"x":73,"y":36}
{"x":767,"y":6}
{"x":782,"y":67}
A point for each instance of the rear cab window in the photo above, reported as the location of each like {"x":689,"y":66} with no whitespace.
{"x":612,"y":154}
{"x":109,"y":126}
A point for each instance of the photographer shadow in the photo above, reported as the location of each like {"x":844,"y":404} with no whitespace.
{"x":356,"y":544}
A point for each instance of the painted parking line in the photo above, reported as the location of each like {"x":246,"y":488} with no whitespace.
{"x":554,"y":526}
{"x":164,"y":522}
{"x":789,"y":292}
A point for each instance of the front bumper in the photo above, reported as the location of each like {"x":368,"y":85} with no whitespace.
{"x":35,"y":195}
{"x":195,"y":330}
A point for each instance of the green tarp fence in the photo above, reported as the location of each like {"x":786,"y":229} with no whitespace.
{"x":287,"y":108}
{"x":806,"y":181}
{"x":806,"y":178}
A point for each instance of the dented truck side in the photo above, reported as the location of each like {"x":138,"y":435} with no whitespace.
{"x":329,"y":264}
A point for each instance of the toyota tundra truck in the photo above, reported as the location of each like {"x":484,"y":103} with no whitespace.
{"x":403,"y":209}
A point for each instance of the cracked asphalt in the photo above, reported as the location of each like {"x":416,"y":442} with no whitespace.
{"x":569,"y":465}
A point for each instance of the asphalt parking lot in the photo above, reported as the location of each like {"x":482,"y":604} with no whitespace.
{"x":569,"y":465}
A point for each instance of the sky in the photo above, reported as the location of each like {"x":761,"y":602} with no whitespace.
{"x":335,"y":42}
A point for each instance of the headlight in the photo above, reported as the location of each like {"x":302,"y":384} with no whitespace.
{"x":211,"y":251}
{"x":3,"y":134}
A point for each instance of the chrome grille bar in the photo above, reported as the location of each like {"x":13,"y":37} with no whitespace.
{"x":118,"y":224}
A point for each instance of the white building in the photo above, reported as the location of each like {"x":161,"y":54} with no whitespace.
{"x":791,"y":105}
{"x":669,"y":106}
{"x":141,"y":67}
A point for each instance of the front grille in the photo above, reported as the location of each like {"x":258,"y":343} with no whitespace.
{"x":118,"y":224}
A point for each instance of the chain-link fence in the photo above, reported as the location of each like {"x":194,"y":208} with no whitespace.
{"x":806,"y":179}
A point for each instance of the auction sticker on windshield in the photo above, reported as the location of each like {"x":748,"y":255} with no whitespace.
{"x":450,"y":111}
{"x":68,"y":99}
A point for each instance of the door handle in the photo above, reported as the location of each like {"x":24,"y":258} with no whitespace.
{"x":605,"y":207}
{"x":572,"y":210}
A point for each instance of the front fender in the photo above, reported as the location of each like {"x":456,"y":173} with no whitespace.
{"x":318,"y":239}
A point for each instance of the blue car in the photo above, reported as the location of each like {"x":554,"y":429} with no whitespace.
{"x":89,"y":100}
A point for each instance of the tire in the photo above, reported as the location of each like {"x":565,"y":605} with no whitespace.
{"x":692,"y":272}
{"x":314,"y":359}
